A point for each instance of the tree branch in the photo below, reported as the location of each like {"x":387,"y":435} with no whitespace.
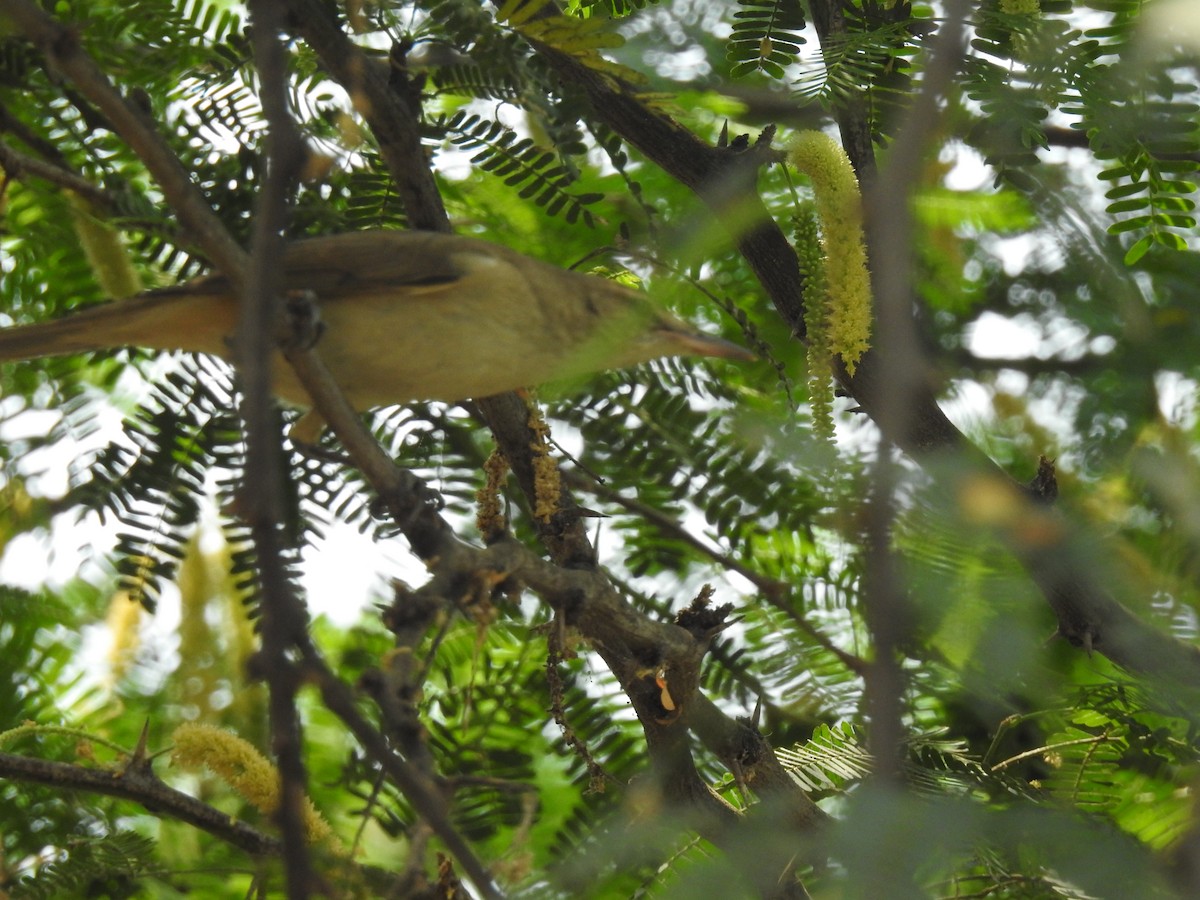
{"x":139,"y":784}
{"x":15,"y":164}
{"x":285,"y":617}
{"x":389,"y":112}
{"x":777,"y":593}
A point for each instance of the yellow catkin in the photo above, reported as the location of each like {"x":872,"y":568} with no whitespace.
{"x":236,"y":762}
{"x":547,"y":482}
{"x":489,"y":514}
{"x":247,"y":714}
{"x":816,"y":322}
{"x":200,"y":649}
{"x":839,"y":208}
{"x":105,"y":251}
{"x":123,"y":620}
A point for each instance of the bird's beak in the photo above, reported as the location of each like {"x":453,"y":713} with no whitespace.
{"x":694,"y":343}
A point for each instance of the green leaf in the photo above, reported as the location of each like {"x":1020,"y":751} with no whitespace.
{"x":1134,"y":254}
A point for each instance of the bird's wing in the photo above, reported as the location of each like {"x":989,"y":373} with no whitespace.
{"x":412,"y":259}
{"x":335,"y":265}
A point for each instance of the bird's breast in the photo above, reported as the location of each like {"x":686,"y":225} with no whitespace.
{"x":385,"y":348}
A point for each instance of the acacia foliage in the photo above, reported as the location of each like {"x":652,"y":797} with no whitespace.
{"x":1027,"y":768}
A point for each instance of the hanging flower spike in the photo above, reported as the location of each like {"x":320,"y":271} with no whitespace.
{"x":239,"y":764}
{"x":816,"y":321}
{"x":839,"y":208}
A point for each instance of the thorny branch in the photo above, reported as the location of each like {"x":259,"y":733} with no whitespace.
{"x":284,"y":616}
{"x":137,"y":782}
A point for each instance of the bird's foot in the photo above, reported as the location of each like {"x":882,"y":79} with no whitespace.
{"x":302,"y":325}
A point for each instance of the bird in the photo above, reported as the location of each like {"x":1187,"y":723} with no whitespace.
{"x":406,"y":316}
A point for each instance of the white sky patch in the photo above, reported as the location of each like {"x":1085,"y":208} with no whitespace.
{"x":341,"y":573}
{"x":1177,"y":399}
{"x":346,"y":570}
{"x":970,"y":172}
{"x":993,"y":336}
{"x":680,"y":65}
{"x":54,"y":557}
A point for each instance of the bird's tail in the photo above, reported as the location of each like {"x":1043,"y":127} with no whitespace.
{"x":170,"y":319}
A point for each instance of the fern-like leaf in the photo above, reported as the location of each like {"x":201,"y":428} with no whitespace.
{"x":112,"y":865}
{"x":520,"y":163}
{"x":766,"y":37}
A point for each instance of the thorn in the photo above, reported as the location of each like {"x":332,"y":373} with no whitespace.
{"x":739,"y":778}
{"x":140,"y":761}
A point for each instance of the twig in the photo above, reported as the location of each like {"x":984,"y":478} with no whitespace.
{"x":18,"y":165}
{"x":775,"y":592}
{"x":284,"y":616}
{"x":390,"y":112}
{"x":426,"y":800}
